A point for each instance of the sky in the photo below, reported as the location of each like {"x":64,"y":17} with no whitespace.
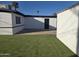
{"x":44,"y":7}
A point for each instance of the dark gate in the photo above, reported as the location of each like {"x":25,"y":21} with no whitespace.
{"x":46,"y":24}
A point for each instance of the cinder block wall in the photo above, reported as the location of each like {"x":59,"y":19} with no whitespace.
{"x":67,"y":28}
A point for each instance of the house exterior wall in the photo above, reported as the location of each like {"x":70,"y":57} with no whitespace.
{"x":8,"y":24}
{"x":6,"y":31}
{"x":38,"y":22}
{"x":5,"y":23}
{"x":17,"y":27}
{"x":67,"y":28}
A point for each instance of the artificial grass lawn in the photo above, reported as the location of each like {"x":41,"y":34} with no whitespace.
{"x":33,"y":45}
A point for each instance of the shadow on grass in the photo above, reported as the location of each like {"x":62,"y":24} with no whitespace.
{"x":74,"y":55}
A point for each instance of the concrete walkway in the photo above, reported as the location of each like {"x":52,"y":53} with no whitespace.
{"x":36,"y":32}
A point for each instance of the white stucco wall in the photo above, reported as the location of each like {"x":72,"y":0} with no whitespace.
{"x":5,"y":23}
{"x":67,"y":28}
{"x":17,"y":27}
{"x":38,"y":22}
{"x":53,"y":23}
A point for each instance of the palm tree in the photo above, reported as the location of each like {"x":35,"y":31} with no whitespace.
{"x":9,"y":6}
{"x":15,"y":5}
{"x":55,"y":14}
{"x":38,"y":12}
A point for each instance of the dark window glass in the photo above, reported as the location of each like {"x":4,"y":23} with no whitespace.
{"x":18,"y":20}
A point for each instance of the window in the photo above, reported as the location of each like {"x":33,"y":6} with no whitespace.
{"x":18,"y":20}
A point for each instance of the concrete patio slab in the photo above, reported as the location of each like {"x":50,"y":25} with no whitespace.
{"x":36,"y":32}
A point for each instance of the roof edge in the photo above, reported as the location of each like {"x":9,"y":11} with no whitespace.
{"x":17,"y":12}
{"x":39,"y":16}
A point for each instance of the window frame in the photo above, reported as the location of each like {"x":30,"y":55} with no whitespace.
{"x":18,"y":19}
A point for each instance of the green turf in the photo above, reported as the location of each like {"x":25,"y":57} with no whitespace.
{"x":33,"y":45}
